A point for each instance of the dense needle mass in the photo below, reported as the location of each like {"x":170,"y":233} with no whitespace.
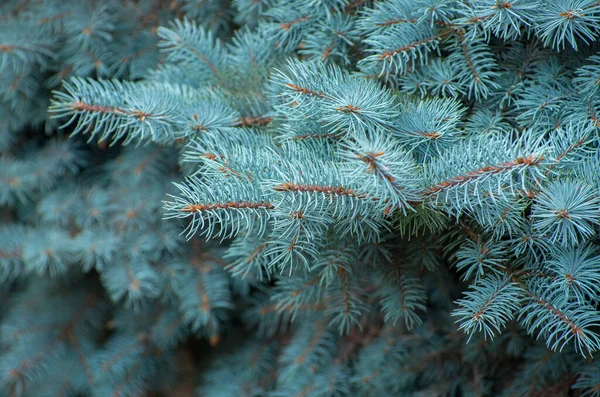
{"x":299,"y":198}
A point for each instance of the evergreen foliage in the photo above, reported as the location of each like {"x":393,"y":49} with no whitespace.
{"x":299,"y":198}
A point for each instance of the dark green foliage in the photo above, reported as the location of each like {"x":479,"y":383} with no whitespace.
{"x":299,"y":198}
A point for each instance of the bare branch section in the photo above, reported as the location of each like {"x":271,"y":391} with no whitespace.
{"x":228,"y":205}
{"x":482,"y":172}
